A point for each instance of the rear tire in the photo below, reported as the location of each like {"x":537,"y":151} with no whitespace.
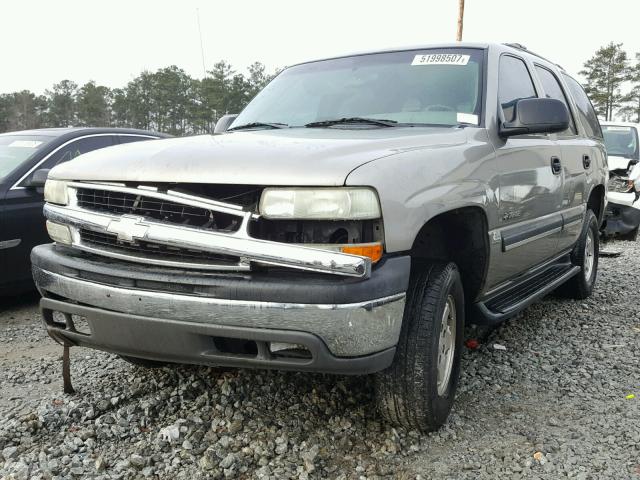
{"x":585,"y":255}
{"x":417,"y":391}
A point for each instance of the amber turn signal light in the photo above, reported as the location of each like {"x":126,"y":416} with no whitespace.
{"x":371,"y":250}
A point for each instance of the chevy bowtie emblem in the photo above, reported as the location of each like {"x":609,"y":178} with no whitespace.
{"x":128,"y":228}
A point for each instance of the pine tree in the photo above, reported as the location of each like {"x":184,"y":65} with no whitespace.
{"x":605,"y":72}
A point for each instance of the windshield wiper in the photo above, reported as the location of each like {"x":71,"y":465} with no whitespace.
{"x":343,"y":121}
{"x":258,"y":125}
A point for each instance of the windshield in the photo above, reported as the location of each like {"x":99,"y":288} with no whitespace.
{"x":621,"y":140}
{"x":16,"y":149}
{"x":417,"y":87}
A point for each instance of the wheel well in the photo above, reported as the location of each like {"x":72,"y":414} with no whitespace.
{"x":460,"y":236}
{"x":596,"y":202}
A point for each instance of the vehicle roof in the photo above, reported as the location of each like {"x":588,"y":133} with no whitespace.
{"x":506,"y":47}
{"x":621,"y":124}
{"x":78,"y":131}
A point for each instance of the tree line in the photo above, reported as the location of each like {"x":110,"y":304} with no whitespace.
{"x":168,"y":100}
{"x":613,"y":83}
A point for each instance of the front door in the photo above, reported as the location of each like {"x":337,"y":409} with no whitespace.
{"x":530,"y":192}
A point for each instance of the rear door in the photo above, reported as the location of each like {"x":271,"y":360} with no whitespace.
{"x":575,"y":161}
{"x":22,"y":215}
{"x":530,"y":192}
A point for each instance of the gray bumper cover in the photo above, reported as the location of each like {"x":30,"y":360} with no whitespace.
{"x":351,"y":330}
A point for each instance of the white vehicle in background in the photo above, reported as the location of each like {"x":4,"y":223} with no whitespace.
{"x":622,"y":217}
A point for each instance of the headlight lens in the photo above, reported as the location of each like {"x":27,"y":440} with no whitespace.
{"x":55,"y":191}
{"x":347,"y":203}
{"x":59,"y":233}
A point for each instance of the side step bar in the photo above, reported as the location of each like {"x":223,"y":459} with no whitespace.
{"x":509,"y":302}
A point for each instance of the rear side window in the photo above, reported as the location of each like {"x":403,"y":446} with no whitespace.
{"x":553,"y":89}
{"x":78,"y":147}
{"x":514,"y":83}
{"x":133,"y":138}
{"x":586,"y":113}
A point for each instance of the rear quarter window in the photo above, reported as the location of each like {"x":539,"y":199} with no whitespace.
{"x":586,"y":113}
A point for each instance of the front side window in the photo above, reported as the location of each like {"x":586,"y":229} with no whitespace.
{"x":75,"y":148}
{"x":514,"y":83}
{"x":418,"y":87}
{"x":16,"y":150}
{"x":621,"y":140}
{"x":553,"y":89}
{"x":586,"y":113}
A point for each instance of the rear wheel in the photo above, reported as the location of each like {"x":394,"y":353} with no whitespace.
{"x":584,"y":255}
{"x":418,"y":389}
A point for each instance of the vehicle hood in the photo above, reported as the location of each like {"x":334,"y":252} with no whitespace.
{"x":617,"y":163}
{"x":297,"y":156}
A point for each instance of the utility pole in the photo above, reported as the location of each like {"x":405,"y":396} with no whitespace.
{"x":460,"y":19}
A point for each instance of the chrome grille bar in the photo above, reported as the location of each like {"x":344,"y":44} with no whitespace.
{"x":237,"y":243}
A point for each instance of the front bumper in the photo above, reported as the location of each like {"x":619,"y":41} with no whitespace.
{"x":347,"y":325}
{"x":621,"y":215}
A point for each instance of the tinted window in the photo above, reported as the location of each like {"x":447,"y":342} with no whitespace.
{"x":514,"y":84}
{"x":552,"y":89}
{"x":16,"y":150}
{"x":75,"y":148}
{"x":132,"y":138}
{"x":586,"y":113}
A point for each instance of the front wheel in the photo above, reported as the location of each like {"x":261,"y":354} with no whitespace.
{"x":418,"y":389}
{"x":584,"y":255}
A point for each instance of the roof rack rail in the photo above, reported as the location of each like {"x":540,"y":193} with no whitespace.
{"x":519,"y":46}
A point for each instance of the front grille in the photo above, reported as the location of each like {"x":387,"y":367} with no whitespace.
{"x":152,"y":208}
{"x":151,"y":250}
{"x":618,"y":184}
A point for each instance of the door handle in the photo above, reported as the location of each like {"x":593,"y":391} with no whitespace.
{"x":556,"y":165}
{"x":586,"y":161}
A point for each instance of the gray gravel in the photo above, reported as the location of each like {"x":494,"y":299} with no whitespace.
{"x":552,"y":405}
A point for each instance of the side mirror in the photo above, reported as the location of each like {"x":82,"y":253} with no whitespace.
{"x":223,"y":124}
{"x":38,"y":178}
{"x":537,"y":115}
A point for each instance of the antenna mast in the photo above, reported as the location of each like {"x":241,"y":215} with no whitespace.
{"x":204,"y":69}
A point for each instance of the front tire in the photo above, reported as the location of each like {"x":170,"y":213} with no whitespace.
{"x":585,"y":255}
{"x":417,"y":391}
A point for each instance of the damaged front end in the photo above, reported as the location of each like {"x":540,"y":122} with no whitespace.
{"x":287,"y":278}
{"x":622,"y":216}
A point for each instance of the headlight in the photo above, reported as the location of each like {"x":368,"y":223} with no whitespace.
{"x":345,"y":203}
{"x":55,"y":191}
{"x":59,"y":233}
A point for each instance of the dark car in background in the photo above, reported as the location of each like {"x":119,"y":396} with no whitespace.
{"x":25,"y":158}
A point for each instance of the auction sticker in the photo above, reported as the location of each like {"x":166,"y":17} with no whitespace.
{"x":25,"y":143}
{"x":441,"y":59}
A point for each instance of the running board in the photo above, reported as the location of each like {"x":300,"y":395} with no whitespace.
{"x":516,"y":298}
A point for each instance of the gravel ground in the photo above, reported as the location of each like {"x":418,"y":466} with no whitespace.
{"x":556,"y":403}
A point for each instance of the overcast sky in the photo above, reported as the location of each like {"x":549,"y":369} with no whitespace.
{"x":112,"y":41}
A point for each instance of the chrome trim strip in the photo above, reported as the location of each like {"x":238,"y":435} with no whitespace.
{"x":243,"y":266}
{"x":511,"y":246}
{"x":236,"y":243}
{"x":35,"y":167}
{"x":10,"y":243}
{"x":350,"y":329}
